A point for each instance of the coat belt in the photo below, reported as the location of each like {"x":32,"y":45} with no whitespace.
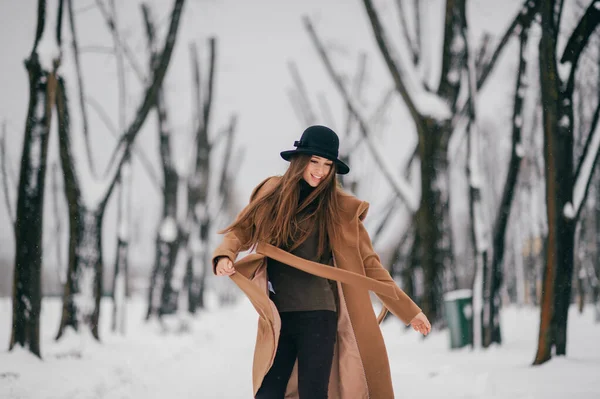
{"x":328,"y":272}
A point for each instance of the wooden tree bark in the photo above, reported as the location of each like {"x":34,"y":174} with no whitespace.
{"x":558,"y":115}
{"x":82,"y":291}
{"x":27,"y":287}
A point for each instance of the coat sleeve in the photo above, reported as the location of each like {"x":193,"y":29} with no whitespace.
{"x":404,"y":308}
{"x":233,"y":242}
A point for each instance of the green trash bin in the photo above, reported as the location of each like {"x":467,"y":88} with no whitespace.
{"x":458,"y":306}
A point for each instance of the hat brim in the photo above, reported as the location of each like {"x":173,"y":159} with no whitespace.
{"x":341,"y":167}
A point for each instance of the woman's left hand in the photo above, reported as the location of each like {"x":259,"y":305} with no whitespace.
{"x":421,"y":324}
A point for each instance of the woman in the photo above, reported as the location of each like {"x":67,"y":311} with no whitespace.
{"x":309,"y":279}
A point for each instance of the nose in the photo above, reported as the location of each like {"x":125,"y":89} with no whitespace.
{"x":321,"y":170}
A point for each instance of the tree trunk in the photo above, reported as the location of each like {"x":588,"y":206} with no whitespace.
{"x":27,"y":286}
{"x":558,"y":145}
{"x":491,"y":332}
{"x":120,"y":284}
{"x":161,"y":298}
{"x":433,"y":217}
{"x":28,"y":227}
{"x":83,"y":290}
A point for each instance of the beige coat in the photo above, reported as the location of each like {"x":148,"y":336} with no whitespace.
{"x":360,"y":366}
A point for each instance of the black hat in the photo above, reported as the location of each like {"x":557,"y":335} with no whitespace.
{"x":320,"y":141}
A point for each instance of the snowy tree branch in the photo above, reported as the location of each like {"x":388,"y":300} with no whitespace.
{"x":585,"y":169}
{"x":392,"y":64}
{"x":524,"y":17}
{"x":79,"y":74}
{"x":579,"y":39}
{"x":158,"y":75}
{"x":5,"y":185}
{"x":414,"y":49}
{"x":400,"y":187}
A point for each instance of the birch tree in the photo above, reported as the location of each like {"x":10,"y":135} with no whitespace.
{"x":87,"y":194}
{"x":42,"y":67}
{"x":566,"y":189}
{"x":435,"y":113}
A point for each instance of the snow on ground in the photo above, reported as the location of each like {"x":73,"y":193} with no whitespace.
{"x":213,"y":360}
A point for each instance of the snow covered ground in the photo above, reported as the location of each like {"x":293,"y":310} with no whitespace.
{"x":213,"y":360}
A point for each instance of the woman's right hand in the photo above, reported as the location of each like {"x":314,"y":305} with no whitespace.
{"x":224,"y":267}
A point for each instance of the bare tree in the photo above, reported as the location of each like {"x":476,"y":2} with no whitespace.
{"x":566,"y":190}
{"x":161,"y":298}
{"x":434,"y":128}
{"x":42,"y":70}
{"x":493,"y":278}
{"x":81,"y":298}
{"x":200,"y":212}
{"x":121,"y":270}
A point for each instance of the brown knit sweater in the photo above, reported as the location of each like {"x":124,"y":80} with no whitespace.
{"x":294,"y":290}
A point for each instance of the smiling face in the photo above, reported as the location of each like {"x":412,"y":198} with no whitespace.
{"x":317,"y":170}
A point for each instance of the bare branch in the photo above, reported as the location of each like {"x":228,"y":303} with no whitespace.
{"x":523,"y":18}
{"x":60,"y":268}
{"x":5,"y":185}
{"x":79,"y":73}
{"x":120,"y":69}
{"x":84,"y":9}
{"x":357,"y":86}
{"x":197,"y":93}
{"x":96,"y":50}
{"x":302,"y":94}
{"x":586,"y":166}
{"x":123,"y":45}
{"x":226,"y":168}
{"x":419,"y":36}
{"x":414,"y":49}
{"x":294,"y":98}
{"x":480,"y":57}
{"x":158,"y":75}
{"x":400,"y":187}
{"x":211,"y":83}
{"x":579,"y":39}
{"x":137,"y":150}
{"x":392,"y":65}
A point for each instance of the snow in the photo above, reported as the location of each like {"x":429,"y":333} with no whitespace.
{"x":432,"y":105}
{"x":597,"y":5}
{"x":569,"y":211}
{"x":520,"y":150}
{"x":457,"y":294}
{"x":214,"y":359}
{"x":587,"y":167}
{"x":168,"y":229}
{"x":47,"y":48}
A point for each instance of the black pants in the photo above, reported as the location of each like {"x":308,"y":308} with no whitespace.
{"x":309,"y":336}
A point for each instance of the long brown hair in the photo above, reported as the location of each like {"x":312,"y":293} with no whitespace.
{"x":273,"y":217}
